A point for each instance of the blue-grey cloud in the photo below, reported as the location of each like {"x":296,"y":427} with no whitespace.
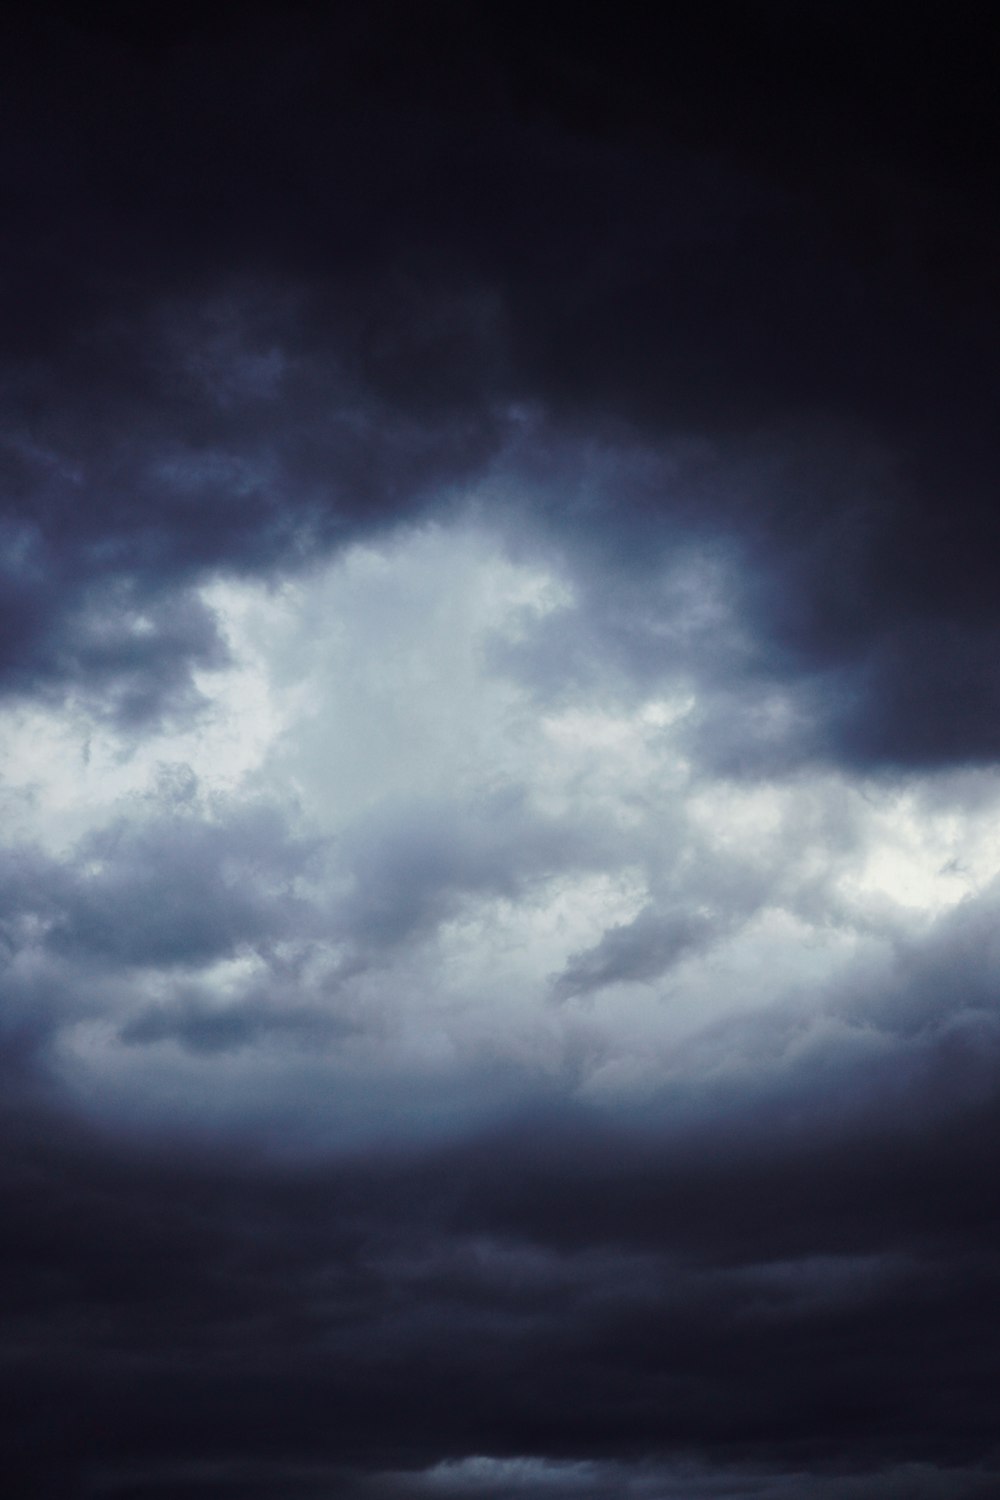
{"x":642,"y":949}
{"x":215,"y":363}
{"x":304,"y":1186}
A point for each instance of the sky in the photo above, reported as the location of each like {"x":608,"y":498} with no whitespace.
{"x":499,"y":752}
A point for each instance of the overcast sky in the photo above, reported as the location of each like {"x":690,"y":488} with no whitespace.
{"x":499,"y":753}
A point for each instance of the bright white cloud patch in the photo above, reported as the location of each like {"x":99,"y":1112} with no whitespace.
{"x":415,"y":866}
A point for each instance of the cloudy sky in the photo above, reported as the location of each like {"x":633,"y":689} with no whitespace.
{"x":499,"y":753}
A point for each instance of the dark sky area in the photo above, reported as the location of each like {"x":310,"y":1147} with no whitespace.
{"x":499,"y":752}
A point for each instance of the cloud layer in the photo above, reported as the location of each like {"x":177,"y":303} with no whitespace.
{"x":499,"y":718}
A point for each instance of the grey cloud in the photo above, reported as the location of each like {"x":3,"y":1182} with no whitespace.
{"x":685,"y":1481}
{"x":506,"y":1478}
{"x":640,"y":950}
{"x":207,"y":1029}
{"x":705,"y":319}
{"x":131,"y":490}
{"x":413,"y":863}
{"x":754,"y":1264}
{"x":174,"y":889}
{"x":559,"y":1285}
{"x":795,"y":566}
{"x":167,"y":892}
{"x":947,"y":976}
{"x":215,"y":364}
{"x":182,"y":889}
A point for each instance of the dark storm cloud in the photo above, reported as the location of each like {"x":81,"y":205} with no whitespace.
{"x":789,"y":1278}
{"x":277,"y":279}
{"x":524,"y":1479}
{"x":796,"y":566}
{"x":777,"y":1281}
{"x":193,"y":443}
{"x":705,"y":318}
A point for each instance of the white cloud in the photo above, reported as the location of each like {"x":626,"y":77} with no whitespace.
{"x":477,"y":842}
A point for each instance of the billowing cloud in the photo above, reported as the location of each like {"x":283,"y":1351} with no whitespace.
{"x":498,"y":755}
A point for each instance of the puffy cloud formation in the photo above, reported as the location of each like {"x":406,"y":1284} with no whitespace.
{"x":499,"y":720}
